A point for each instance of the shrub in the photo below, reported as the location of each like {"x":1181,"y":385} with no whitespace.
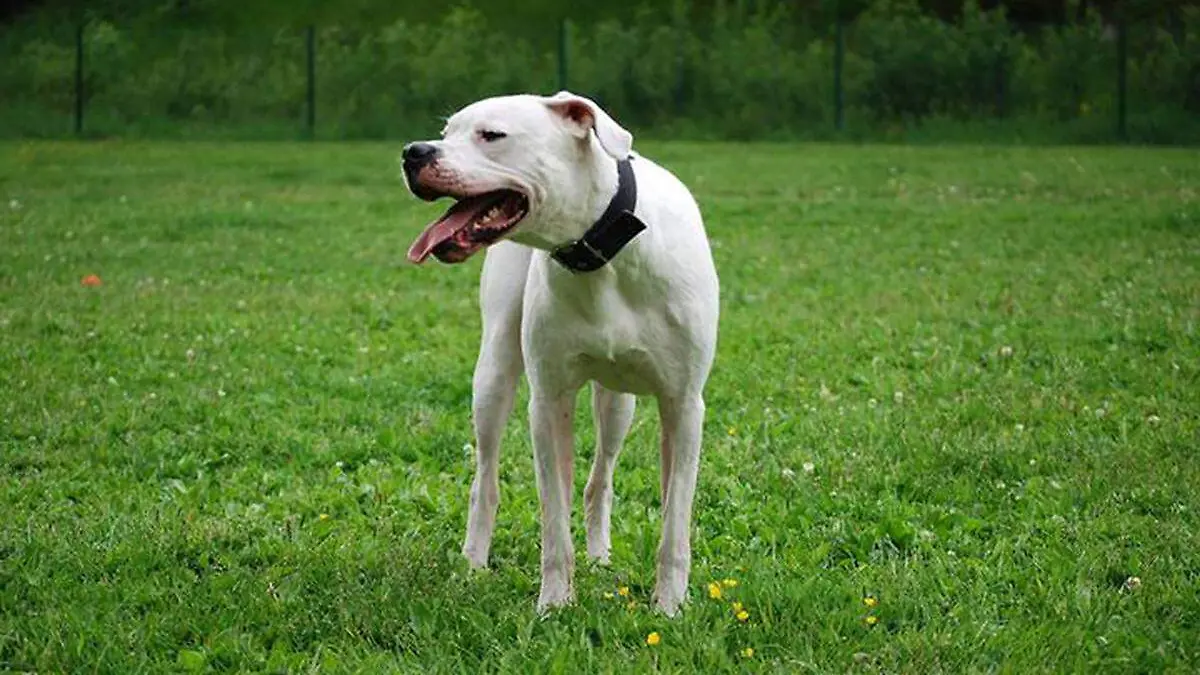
{"x":746,"y":70}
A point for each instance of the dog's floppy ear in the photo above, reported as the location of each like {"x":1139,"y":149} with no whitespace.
{"x":582,"y":116}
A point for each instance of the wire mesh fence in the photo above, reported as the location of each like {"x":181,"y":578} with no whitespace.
{"x":749,"y":76}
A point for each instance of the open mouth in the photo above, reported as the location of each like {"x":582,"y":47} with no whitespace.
{"x":470,"y":225}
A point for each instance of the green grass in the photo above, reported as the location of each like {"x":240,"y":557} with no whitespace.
{"x":965,"y":381}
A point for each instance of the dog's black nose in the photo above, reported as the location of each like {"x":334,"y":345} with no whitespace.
{"x":419,"y":153}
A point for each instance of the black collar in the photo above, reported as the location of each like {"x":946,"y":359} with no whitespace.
{"x":616,"y":228}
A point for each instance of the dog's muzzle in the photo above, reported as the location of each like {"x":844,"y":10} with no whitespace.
{"x":417,"y":156}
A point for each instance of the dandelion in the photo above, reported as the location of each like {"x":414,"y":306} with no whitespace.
{"x":871,"y":601}
{"x":732,"y":431}
{"x":737,"y":607}
{"x":1153,"y":419}
{"x":1006,"y":351}
{"x":653,"y":639}
{"x":623,"y":591}
{"x":743,"y":616}
{"x":714,"y":590}
{"x":729,"y":582}
{"x":808,"y":467}
{"x":1133,"y":583}
{"x":748,"y":652}
{"x":872,"y":620}
{"x":323,"y":516}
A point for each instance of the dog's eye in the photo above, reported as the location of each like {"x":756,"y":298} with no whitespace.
{"x":490,"y":136}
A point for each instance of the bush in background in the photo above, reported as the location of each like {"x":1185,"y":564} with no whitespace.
{"x":747,"y":71}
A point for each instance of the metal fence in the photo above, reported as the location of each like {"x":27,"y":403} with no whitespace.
{"x":339,"y":82}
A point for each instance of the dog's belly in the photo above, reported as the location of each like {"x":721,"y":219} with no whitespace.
{"x":631,"y":372}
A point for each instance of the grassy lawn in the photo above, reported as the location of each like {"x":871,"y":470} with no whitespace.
{"x":964,"y":382}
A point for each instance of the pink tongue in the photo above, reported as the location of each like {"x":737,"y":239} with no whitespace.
{"x":459,"y":216}
{"x":439,"y":231}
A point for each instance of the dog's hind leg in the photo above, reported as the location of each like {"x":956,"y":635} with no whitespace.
{"x":497,"y":373}
{"x":613,"y":412}
{"x":682,"y":427}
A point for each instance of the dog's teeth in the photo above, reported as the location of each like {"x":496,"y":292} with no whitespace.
{"x":488,"y":217}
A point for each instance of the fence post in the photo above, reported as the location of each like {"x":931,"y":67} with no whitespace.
{"x":311,"y":67}
{"x":680,"y":26}
{"x":563,"y":45}
{"x":839,"y":57}
{"x":1001,"y":76}
{"x":79,"y":79}
{"x":1122,"y":63}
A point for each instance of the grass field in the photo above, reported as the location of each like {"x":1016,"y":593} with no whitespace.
{"x":961,"y":382}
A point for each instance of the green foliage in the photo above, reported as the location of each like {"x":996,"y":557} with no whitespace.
{"x":960,"y":380}
{"x":736,"y":70}
{"x":915,"y":60}
{"x":1075,"y":71}
{"x":401,"y":77}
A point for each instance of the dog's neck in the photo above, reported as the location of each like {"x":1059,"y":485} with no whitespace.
{"x":567,"y":217}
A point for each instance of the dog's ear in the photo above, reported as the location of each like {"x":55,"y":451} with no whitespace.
{"x":582,"y":116}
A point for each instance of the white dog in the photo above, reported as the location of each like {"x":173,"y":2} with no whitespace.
{"x":598,"y":269}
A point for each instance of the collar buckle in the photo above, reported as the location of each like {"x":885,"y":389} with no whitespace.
{"x":607,"y":236}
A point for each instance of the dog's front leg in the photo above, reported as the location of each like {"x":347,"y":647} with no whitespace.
{"x":495,"y":387}
{"x":550,"y":419}
{"x":682,"y":427}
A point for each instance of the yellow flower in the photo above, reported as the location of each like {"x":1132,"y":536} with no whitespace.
{"x":732,"y":430}
{"x":623,"y":591}
{"x":653,"y":639}
{"x":730,"y":583}
{"x":714,"y":590}
{"x":737,"y":607}
{"x":870,"y":601}
{"x":743,"y":615}
{"x":872,"y":620}
{"x":323,"y":516}
{"x":748,"y":652}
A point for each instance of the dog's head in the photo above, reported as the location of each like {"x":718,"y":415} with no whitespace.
{"x":521,"y":167}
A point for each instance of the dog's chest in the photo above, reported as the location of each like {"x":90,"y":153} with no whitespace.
{"x":621,"y":358}
{"x":611,"y":338}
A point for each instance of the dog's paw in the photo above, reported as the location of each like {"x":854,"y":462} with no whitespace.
{"x":553,"y":598}
{"x":476,"y":559}
{"x":598,"y":553}
{"x":669,"y":603}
